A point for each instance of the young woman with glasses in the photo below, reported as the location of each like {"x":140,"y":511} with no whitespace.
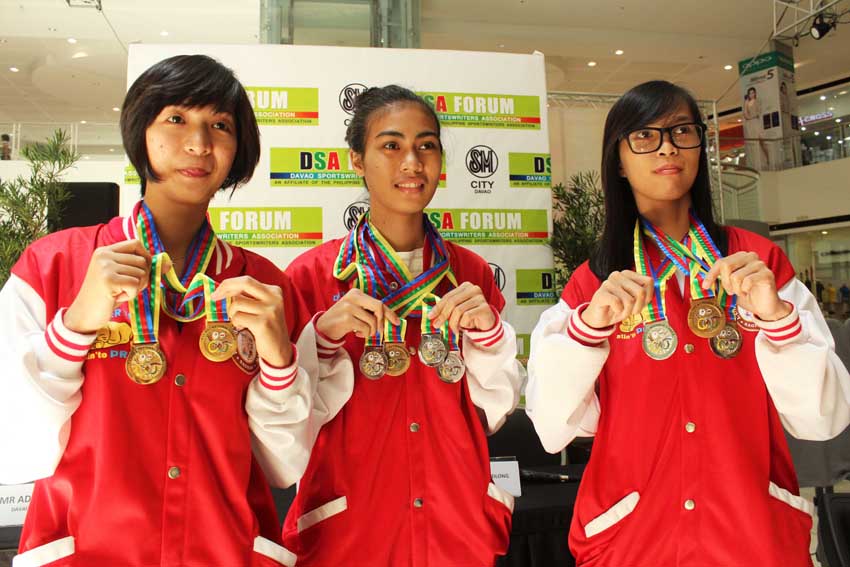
{"x":684,"y":347}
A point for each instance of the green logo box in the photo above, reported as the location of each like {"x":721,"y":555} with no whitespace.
{"x":268,"y":227}
{"x":285,"y":106}
{"x":535,"y":287}
{"x":530,"y":170}
{"x":491,"y":226}
{"x":477,"y":110}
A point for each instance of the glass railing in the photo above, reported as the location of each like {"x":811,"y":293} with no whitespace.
{"x":91,"y":140}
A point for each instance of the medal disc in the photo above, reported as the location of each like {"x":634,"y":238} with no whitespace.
{"x":728,"y":342}
{"x":452,"y":368}
{"x":145,"y":364}
{"x":398,"y":359}
{"x":705,"y":318}
{"x":218,"y":342}
{"x":659,"y":340}
{"x":432,"y":349}
{"x":373,"y":362}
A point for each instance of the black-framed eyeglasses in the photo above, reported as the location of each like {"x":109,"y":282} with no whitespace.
{"x":646,"y":140}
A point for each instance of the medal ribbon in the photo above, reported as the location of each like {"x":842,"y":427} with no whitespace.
{"x":453,"y":341}
{"x":426,"y":327}
{"x":144,"y":308}
{"x":179,"y":304}
{"x":367,"y":252}
{"x":395,"y":333}
{"x":655,"y":309}
{"x":687,"y":260}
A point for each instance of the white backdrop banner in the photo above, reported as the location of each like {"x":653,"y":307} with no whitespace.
{"x":494,"y":195}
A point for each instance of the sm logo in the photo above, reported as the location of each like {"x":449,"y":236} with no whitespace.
{"x":499,"y":276}
{"x":352,"y":213}
{"x":482,"y":161}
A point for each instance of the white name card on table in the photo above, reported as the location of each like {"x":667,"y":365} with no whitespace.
{"x":505,"y":475}
{"x":14,"y":501}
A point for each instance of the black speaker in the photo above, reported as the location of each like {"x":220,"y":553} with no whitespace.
{"x":89,"y":203}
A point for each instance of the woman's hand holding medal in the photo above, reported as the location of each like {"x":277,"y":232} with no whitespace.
{"x":259,"y":308}
{"x":464,"y":307}
{"x":743,"y":274}
{"x":116,"y":273}
{"x":355,"y":312}
{"x":623,"y":294}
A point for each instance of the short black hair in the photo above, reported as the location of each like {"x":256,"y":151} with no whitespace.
{"x":194,"y":81}
{"x":5,"y":138}
{"x":374,"y":99}
{"x":640,"y":106}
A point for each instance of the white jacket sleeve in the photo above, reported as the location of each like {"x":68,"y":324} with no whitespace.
{"x":566,"y":359}
{"x":287,"y":406}
{"x":493,"y":373}
{"x":40,"y":383}
{"x":807,"y":381}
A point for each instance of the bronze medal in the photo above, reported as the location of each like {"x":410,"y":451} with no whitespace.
{"x":373,"y":362}
{"x":659,"y":340}
{"x":145,"y":364}
{"x":398,"y":359}
{"x":218,"y":341}
{"x":705,"y":318}
{"x":432,"y":349}
{"x":246,"y":357}
{"x":728,"y":342}
{"x":452,"y":368}
{"x":745,"y":323}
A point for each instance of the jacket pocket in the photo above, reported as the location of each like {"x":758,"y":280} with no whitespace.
{"x":47,"y":553}
{"x":797,"y":502}
{"x":501,"y":495}
{"x":612,"y":515}
{"x":275,"y":552}
{"x":322,"y":513}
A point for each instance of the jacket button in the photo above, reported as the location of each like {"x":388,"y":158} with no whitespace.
{"x":393,"y":286}
{"x":180,"y":379}
{"x":414,"y":427}
{"x":690,"y":427}
{"x":690,"y":505}
{"x":418,"y":503}
{"x":411,"y":350}
{"x":689,"y":348}
{"x":173,"y":472}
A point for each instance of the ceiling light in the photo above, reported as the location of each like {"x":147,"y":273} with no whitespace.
{"x":829,"y":137}
{"x":72,"y":40}
{"x":111,"y":149}
{"x":727,"y":67}
{"x":842,"y":93}
{"x":803,"y":128}
{"x":831,"y":108}
{"x":163,"y":33}
{"x":82,"y":121}
{"x":86,"y":157}
{"x":14,"y":69}
{"x":817,"y":133}
{"x":116,"y":109}
{"x":739,"y":120}
{"x":591,"y":63}
{"x":824,"y":232}
{"x":838,"y":120}
{"x":619,"y":52}
{"x":79,"y":55}
{"x":823,"y":97}
{"x":819,"y":27}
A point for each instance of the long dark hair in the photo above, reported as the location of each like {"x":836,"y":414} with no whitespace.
{"x":640,"y":106}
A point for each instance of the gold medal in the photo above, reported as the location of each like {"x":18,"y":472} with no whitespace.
{"x":659,"y":340}
{"x":705,"y":318}
{"x":218,"y":341}
{"x":398,"y":359}
{"x":145,"y":364}
{"x":728,"y":342}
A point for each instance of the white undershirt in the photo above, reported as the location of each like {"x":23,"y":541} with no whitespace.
{"x":413,"y":260}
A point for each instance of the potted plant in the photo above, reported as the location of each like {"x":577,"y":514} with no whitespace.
{"x":30,"y":207}
{"x":578,"y":217}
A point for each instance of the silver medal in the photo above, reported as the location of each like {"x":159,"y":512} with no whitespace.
{"x":373,"y":362}
{"x":432,"y":349}
{"x":452,"y":368}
